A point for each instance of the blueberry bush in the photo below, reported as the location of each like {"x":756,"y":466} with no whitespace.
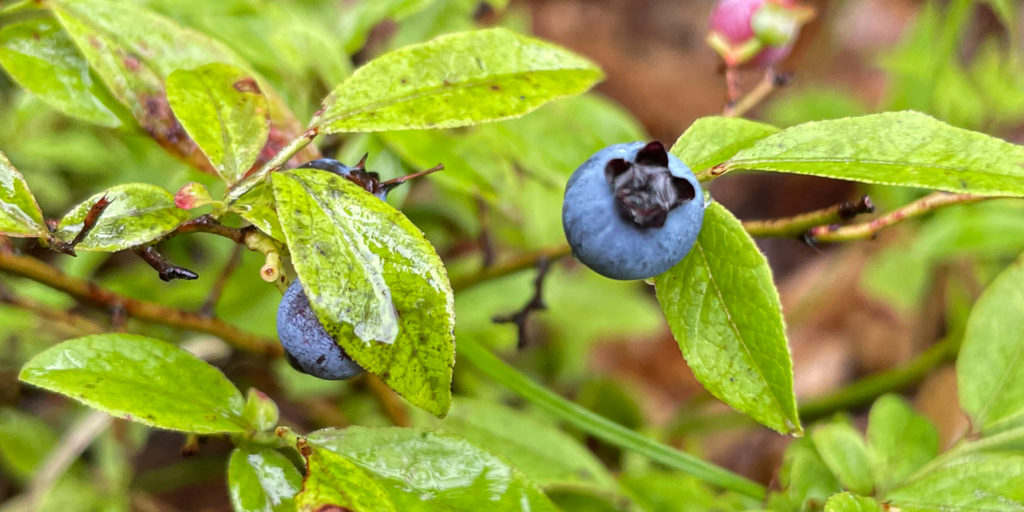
{"x":402,"y":171}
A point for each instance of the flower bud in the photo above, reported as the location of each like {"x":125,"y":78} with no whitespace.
{"x":756,"y":33}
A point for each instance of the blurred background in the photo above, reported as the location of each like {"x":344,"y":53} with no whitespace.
{"x":893,"y":306}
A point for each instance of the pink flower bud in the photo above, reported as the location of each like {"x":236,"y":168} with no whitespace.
{"x":756,"y":33}
{"x":192,"y":195}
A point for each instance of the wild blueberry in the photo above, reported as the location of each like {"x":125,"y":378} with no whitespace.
{"x":307,"y":346}
{"x":632,"y":211}
{"x":370,"y":181}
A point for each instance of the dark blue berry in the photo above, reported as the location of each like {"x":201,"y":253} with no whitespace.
{"x":308,"y":347}
{"x":632,"y":211}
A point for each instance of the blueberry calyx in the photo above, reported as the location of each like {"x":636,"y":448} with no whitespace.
{"x":644,"y":189}
{"x":368,"y":180}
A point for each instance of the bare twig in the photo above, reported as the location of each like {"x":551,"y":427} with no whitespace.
{"x":88,"y":223}
{"x":928,"y":203}
{"x":209,"y":307}
{"x":797,"y":225}
{"x":277,"y":162}
{"x":392,"y":405}
{"x":81,"y":434}
{"x":769,"y":84}
{"x":149,"y":311}
{"x":511,"y":266}
{"x":536,"y":303}
{"x":74,"y":323}
{"x":167,"y":270}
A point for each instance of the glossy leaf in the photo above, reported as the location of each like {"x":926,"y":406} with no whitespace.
{"x":849,"y":502}
{"x":976,"y":481}
{"x":900,"y":441}
{"x":990,"y":368}
{"x":333,"y":483}
{"x":40,"y":57}
{"x":257,"y":206}
{"x":25,"y":441}
{"x":895,"y":148}
{"x":842,"y":449}
{"x":20,"y":215}
{"x":140,"y":379}
{"x":374,"y":281}
{"x":422,"y":470}
{"x":724,"y":311}
{"x":710,"y":141}
{"x":224,"y":111}
{"x":548,"y":456}
{"x":262,"y":480}
{"x":134,"y":50}
{"x":138,"y":213}
{"x":455,"y":80}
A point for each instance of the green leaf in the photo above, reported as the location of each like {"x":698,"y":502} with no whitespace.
{"x":40,"y":57}
{"x":804,"y":475}
{"x":138,"y":213}
{"x":134,"y":50}
{"x":710,"y":141}
{"x":842,"y":449}
{"x":422,"y":470}
{"x":976,"y":481}
{"x":990,"y":367}
{"x":260,"y":413}
{"x":374,"y":281}
{"x":334,"y":484}
{"x":257,"y":206}
{"x":140,"y":379}
{"x":724,"y":311}
{"x":262,"y":480}
{"x":455,"y":80}
{"x":895,"y":148}
{"x":25,"y":441}
{"x":540,"y":450}
{"x":20,"y":215}
{"x":849,"y":502}
{"x":900,"y":441}
{"x":224,"y":111}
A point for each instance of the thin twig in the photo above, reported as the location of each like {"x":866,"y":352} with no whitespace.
{"x":769,"y":84}
{"x":86,"y":291}
{"x":209,"y":307}
{"x":277,"y":162}
{"x":797,"y":225}
{"x":165,"y":269}
{"x":928,"y":203}
{"x":81,"y":434}
{"x":74,"y":323}
{"x":536,"y":303}
{"x":511,"y":266}
{"x":390,"y":403}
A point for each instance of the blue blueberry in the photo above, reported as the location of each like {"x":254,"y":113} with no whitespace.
{"x":307,"y":346}
{"x":632,"y":211}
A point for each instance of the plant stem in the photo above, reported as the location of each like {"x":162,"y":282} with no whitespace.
{"x":521,"y":262}
{"x":86,"y":291}
{"x":601,"y":427}
{"x":762,"y":90}
{"x":857,"y":394}
{"x":930,"y":202}
{"x":280,"y":159}
{"x":798,"y":225}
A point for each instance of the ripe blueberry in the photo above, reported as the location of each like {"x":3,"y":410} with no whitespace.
{"x":307,"y":346}
{"x":632,"y":211}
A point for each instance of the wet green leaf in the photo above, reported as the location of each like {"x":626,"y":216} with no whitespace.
{"x":257,"y":206}
{"x":455,"y":80}
{"x":25,"y":441}
{"x":900,"y":441}
{"x":895,"y":148}
{"x":849,"y":502}
{"x":133,"y":50}
{"x":373,"y":280}
{"x":843,"y":450}
{"x":140,"y":379}
{"x":548,"y":456}
{"x":224,"y":111}
{"x":40,"y":56}
{"x":260,"y":413}
{"x":334,"y":481}
{"x":975,"y":481}
{"x":138,"y":213}
{"x":710,"y":141}
{"x":262,"y":480}
{"x":20,"y":216}
{"x":423,"y":471}
{"x":724,"y":311}
{"x":990,"y":367}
